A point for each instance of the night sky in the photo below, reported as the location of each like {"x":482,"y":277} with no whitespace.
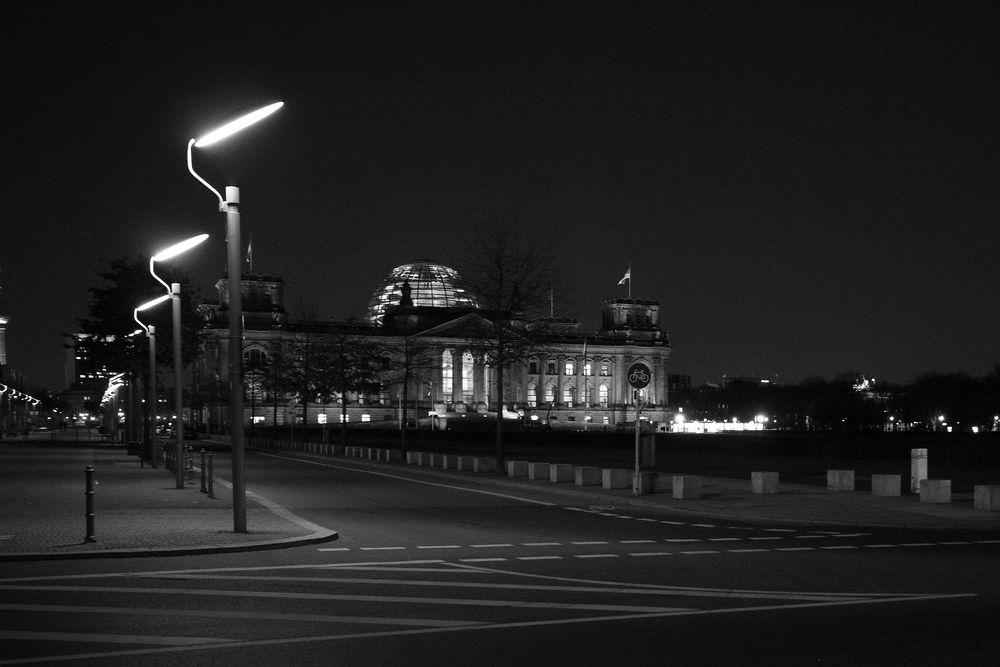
{"x":807,"y":188}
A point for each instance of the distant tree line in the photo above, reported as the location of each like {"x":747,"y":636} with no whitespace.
{"x":853,"y":402}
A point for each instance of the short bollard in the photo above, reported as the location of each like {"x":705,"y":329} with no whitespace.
{"x":211,"y":476}
{"x":203,"y":489}
{"x":89,"y":477}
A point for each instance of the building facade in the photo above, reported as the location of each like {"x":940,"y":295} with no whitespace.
{"x":438,"y":351}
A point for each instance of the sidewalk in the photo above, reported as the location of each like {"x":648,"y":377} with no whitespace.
{"x":138,"y":511}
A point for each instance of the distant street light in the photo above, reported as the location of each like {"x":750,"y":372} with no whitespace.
{"x":149,"y":435}
{"x":174,"y":293}
{"x":230,"y":206}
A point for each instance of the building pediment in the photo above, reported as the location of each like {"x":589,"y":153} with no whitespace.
{"x":471,"y":325}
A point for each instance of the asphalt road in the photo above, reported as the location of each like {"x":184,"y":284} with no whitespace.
{"x":432,"y":572}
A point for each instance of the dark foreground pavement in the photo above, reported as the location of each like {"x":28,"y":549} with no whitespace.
{"x":139,"y":510}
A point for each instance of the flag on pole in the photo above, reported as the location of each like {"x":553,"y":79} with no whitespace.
{"x":627,"y":276}
{"x":250,"y":252}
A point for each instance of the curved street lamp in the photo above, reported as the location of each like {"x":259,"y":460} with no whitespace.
{"x":230,"y":206}
{"x":149,"y":436}
{"x":174,"y":293}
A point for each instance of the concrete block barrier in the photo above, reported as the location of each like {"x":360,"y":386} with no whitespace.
{"x":616,"y":478}
{"x":483,"y":464}
{"x":765,"y":482}
{"x":561,"y":472}
{"x":686,"y":487}
{"x":538,"y":471}
{"x":336,"y":450}
{"x":449,"y":461}
{"x":935,"y":491}
{"x":839,"y":480}
{"x":463,"y":463}
{"x":665,"y":482}
{"x":986,"y":497}
{"x":412,"y":457}
{"x":645,"y":482}
{"x":517,"y":468}
{"x":587,"y":475}
{"x":886,"y":485}
{"x":435,"y":460}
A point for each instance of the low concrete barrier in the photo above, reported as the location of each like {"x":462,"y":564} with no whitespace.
{"x":538,"y":471}
{"x":665,"y":482}
{"x":336,"y":450}
{"x":449,"y":461}
{"x":765,"y":483}
{"x":561,"y":472}
{"x":435,"y":460}
{"x":616,"y":478}
{"x":463,"y":463}
{"x":935,"y":491}
{"x":483,"y":464}
{"x":687,"y":487}
{"x":587,"y":475}
{"x":645,"y":482}
{"x":412,"y":457}
{"x":839,"y":480}
{"x":517,"y":468}
{"x":986,"y":497}
{"x":886,"y":485}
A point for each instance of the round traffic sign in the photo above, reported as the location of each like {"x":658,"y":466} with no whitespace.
{"x":639,"y":375}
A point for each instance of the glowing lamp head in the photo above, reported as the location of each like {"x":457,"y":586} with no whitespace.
{"x":178,"y":248}
{"x":155,"y":302}
{"x":235,"y":126}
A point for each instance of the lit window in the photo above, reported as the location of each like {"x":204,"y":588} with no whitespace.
{"x":467,"y":377}
{"x":447,"y":370}
{"x":605,"y":368}
{"x":586,"y":395}
{"x":588,"y":368}
{"x":550,"y":393}
{"x":568,"y":395}
{"x":570,"y":367}
{"x":532,"y":396}
{"x":602,"y":395}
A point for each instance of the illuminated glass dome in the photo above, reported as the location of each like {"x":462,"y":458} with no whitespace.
{"x":431,"y":284}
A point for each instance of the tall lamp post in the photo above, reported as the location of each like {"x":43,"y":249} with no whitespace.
{"x":150,"y":435}
{"x":174,"y":292}
{"x":230,"y":206}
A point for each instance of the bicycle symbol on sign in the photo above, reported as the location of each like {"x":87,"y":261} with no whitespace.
{"x":638,"y":375}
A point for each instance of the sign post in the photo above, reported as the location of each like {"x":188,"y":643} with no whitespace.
{"x":638,"y":375}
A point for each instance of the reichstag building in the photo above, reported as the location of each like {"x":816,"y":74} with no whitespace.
{"x":562,"y":377}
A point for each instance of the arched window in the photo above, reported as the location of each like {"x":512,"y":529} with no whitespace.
{"x":602,"y":395}
{"x":532,"y":396}
{"x":550,"y":393}
{"x":586,"y":390}
{"x":568,"y":391}
{"x":255,"y":358}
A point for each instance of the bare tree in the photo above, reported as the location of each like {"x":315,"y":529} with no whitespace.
{"x":406,"y":367}
{"x":513,"y":273}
